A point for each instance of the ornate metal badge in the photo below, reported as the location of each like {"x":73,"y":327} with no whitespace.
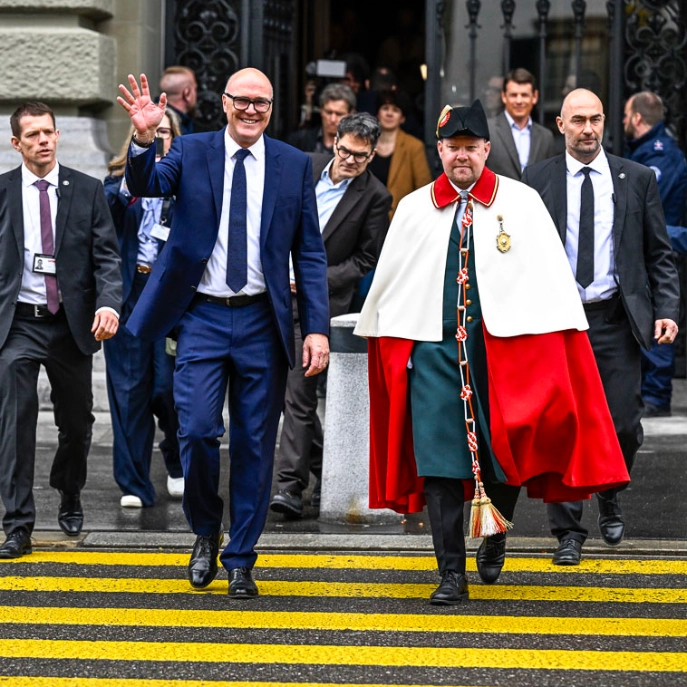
{"x":502,"y":239}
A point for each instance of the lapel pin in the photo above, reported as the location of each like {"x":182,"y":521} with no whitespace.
{"x":502,"y":239}
{"x":621,"y":175}
{"x":65,"y":183}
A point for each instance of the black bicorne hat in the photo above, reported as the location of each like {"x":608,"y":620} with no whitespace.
{"x":463,"y":121}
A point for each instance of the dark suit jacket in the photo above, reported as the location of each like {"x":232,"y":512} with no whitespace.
{"x":354,"y":234}
{"x":647,"y":277}
{"x":85,"y":248}
{"x":193,"y":172}
{"x":503,"y":157}
{"x":127,"y":218}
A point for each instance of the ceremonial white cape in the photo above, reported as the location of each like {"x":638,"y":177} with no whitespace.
{"x":529,"y":289}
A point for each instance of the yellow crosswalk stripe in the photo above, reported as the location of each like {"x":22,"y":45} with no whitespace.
{"x":377,"y":622}
{"x":395,"y":656}
{"x":347,"y":589}
{"x":614,"y":566}
{"x":9,"y":681}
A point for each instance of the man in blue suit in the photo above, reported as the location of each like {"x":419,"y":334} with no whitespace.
{"x":243,"y":203}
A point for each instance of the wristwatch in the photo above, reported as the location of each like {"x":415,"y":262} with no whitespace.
{"x":141,"y":144}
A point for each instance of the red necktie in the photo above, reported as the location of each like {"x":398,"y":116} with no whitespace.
{"x":48,"y":245}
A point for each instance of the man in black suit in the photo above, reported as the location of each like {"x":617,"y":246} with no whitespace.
{"x":516,"y":140}
{"x":353,"y":208}
{"x":609,"y":215}
{"x":60,"y":291}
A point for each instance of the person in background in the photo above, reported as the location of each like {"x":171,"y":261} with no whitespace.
{"x":609,"y":217}
{"x":650,"y":144}
{"x":179,"y":83}
{"x":139,"y":373}
{"x":60,"y":294}
{"x":517,"y":141}
{"x":493,"y":105}
{"x":400,"y":162}
{"x":353,"y":209}
{"x":336,"y":101}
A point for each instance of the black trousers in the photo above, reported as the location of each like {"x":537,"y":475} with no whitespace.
{"x":445,"y":507}
{"x":33,"y":342}
{"x":618,"y":356}
{"x":301,"y":440}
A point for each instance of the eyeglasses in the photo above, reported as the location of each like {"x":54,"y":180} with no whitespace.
{"x":345,"y":153}
{"x":163,"y":132}
{"x":261,"y":105}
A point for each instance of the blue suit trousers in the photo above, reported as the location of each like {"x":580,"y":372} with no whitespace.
{"x":236,"y":348}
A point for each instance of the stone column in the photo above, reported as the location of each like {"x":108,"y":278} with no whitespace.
{"x":345,"y":468}
{"x":54,"y":51}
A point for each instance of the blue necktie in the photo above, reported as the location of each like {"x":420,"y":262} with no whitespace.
{"x":237,"y":254}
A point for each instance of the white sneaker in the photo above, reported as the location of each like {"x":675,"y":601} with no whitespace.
{"x":130,"y":501}
{"x":175,"y":486}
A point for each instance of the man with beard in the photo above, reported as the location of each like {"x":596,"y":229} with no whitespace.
{"x":609,"y":216}
{"x":482,"y":379}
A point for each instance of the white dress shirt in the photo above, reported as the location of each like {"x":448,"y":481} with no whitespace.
{"x":522,"y":139}
{"x":32,"y":289}
{"x":605,"y":281}
{"x":214,"y":281}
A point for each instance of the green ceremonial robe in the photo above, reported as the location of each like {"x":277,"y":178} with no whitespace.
{"x":438,"y":412}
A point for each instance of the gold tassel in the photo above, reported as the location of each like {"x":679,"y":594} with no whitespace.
{"x":485,"y":519}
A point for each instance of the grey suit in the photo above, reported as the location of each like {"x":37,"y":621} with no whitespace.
{"x":647,"y":291}
{"x":89,"y":278}
{"x":503,"y":158}
{"x":352,"y":238}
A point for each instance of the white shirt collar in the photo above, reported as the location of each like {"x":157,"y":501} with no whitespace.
{"x":29,"y":178}
{"x":257,"y":150}
{"x":598,"y":164}
{"x":512,"y":123}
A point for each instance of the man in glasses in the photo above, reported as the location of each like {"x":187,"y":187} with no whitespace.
{"x":353,"y":207}
{"x":244,"y":202}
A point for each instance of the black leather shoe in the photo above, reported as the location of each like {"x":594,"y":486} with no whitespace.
{"x":316,"y":497}
{"x":17,"y":544}
{"x":569,"y":552}
{"x":202,"y":568}
{"x":611,"y":523}
{"x":491,"y":556}
{"x":287,"y":503}
{"x":452,"y":590}
{"x":70,"y":514}
{"x":241,"y":585}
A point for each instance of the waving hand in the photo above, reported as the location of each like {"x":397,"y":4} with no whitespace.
{"x":144,"y":113}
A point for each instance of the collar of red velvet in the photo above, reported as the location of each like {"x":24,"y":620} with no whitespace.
{"x":484,"y":191}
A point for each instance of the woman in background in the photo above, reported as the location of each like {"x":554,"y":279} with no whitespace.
{"x":139,"y":373}
{"x":400,"y":161}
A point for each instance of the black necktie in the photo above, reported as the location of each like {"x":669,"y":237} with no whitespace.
{"x":585,"y":239}
{"x":237,"y":252}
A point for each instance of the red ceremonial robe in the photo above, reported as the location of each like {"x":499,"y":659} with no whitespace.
{"x":551,"y":430}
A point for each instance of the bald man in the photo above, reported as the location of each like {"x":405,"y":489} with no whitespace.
{"x":179,"y":85}
{"x":244,"y":202}
{"x":609,"y":216}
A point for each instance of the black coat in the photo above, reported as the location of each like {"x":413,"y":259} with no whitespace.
{"x":647,"y":276}
{"x":85,"y":250}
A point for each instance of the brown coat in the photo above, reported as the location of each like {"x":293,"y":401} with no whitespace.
{"x":408,"y":170}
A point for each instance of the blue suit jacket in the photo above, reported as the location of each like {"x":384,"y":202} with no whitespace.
{"x":193,"y":171}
